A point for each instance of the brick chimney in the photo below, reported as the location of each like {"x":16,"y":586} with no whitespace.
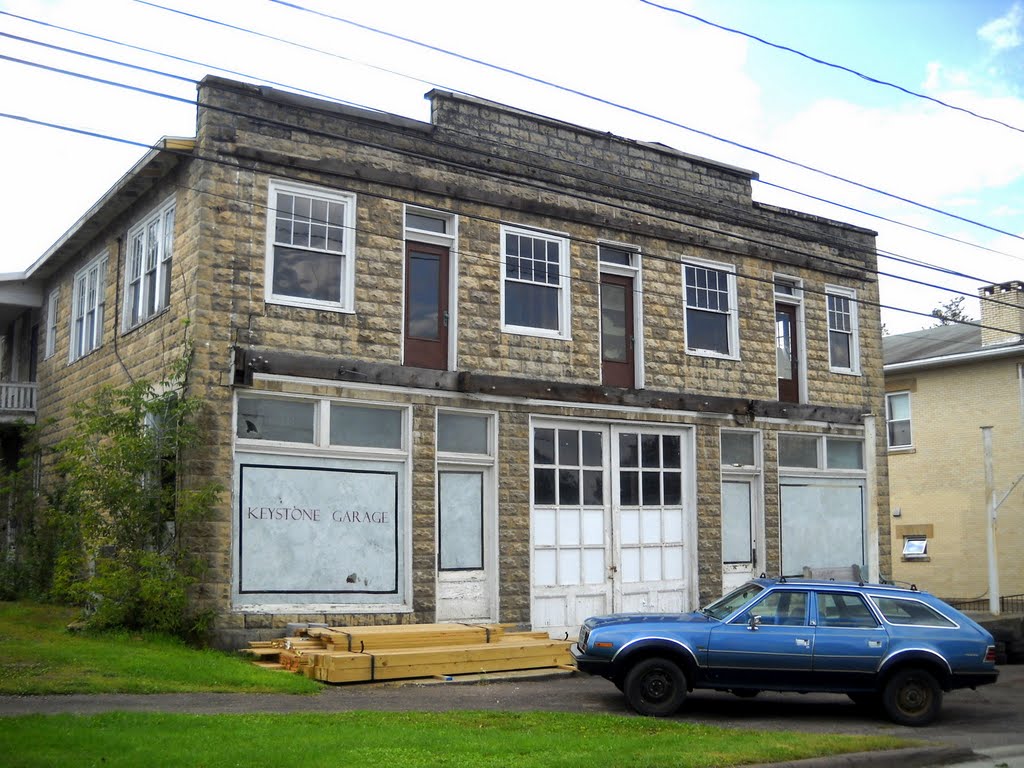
{"x":1007,"y":315}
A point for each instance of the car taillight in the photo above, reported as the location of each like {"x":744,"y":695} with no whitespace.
{"x":990,"y":654}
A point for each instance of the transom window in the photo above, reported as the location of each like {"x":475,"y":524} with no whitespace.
{"x":88,"y":303}
{"x":320,"y":422}
{"x":711,"y":319}
{"x":843,"y":352}
{"x":535,"y":283}
{"x":897,"y":418}
{"x":820,"y":452}
{"x":310,"y":254}
{"x":148,"y":273}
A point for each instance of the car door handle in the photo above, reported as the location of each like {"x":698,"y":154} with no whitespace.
{"x":803,"y":642}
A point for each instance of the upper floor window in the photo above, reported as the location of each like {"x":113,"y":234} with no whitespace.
{"x":148,"y":274}
{"x":535,"y":283}
{"x":87,"y":304}
{"x":310,"y":246}
{"x":712,"y":326}
{"x":843,"y":354}
{"x":51,"y":323}
{"x":897,"y":419}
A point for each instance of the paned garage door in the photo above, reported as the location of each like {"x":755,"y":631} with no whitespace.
{"x":612,"y":524}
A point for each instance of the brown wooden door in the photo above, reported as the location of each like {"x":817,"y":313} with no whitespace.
{"x":786,"y":353}
{"x":426,"y":306}
{"x":617,"y":364}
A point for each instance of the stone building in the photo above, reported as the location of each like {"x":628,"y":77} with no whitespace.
{"x":491,"y":367}
{"x":943,"y":385}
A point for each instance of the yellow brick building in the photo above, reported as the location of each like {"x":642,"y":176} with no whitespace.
{"x":943,"y":385}
{"x":494,"y":367}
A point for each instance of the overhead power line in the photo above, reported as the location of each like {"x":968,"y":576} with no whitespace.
{"x":832,"y":65}
{"x":209,"y":66}
{"x":693,"y":225}
{"x":616,"y":105}
{"x":289,"y":168}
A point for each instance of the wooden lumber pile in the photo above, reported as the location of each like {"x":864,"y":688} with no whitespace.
{"x":406,"y":651}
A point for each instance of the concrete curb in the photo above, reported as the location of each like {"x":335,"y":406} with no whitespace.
{"x":912,"y":757}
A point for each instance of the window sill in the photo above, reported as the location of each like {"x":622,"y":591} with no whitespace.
{"x":845,"y":371}
{"x":319,"y":306}
{"x":897,"y":450}
{"x":126,"y":329}
{"x":542,"y":333}
{"x":712,"y":354}
{"x":925,"y":559}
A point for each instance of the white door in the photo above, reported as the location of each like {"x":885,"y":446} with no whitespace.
{"x":655,"y":537}
{"x":612,"y":524}
{"x":740,"y":539}
{"x":462,"y":574}
{"x":570,"y":526}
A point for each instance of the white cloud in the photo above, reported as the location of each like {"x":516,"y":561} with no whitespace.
{"x":1005,"y":32}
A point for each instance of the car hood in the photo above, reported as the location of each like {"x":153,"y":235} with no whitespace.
{"x":633,"y":619}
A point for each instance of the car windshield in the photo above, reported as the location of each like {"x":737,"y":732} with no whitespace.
{"x":726,"y":605}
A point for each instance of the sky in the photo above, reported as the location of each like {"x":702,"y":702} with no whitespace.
{"x":942,"y":187}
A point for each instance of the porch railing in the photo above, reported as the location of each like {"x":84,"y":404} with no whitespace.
{"x":18,"y":396}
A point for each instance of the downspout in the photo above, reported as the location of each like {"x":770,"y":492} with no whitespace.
{"x":871,"y":481}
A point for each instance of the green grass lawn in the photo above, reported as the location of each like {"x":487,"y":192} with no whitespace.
{"x":38,"y":655}
{"x":408,"y":739}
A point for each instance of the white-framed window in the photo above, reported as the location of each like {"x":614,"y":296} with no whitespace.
{"x":807,"y":451}
{"x":51,"y":323}
{"x":915,"y":547}
{"x":147,"y":290}
{"x":711,"y":322}
{"x":897,"y":419}
{"x":843,"y":350}
{"x":534,"y":283}
{"x":310,"y":246}
{"x":88,"y":302}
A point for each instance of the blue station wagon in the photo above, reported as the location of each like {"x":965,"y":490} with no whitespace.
{"x":884,"y":646}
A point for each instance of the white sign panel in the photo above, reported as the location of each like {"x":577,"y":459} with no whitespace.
{"x":317,"y":530}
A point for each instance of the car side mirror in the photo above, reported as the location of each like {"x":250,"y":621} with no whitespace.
{"x":754,"y":622}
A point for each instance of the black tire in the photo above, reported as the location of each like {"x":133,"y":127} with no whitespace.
{"x":745,"y":693}
{"x":912,"y":697}
{"x":655,"y":687}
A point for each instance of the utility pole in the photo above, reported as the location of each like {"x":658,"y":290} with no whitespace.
{"x":990,"y":523}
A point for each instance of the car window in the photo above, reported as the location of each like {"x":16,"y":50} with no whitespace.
{"x":838,"y":609}
{"x":726,"y":605}
{"x":897,"y":611}
{"x":780,"y":608}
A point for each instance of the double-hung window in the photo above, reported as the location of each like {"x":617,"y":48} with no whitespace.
{"x":843,"y":353}
{"x":711,"y":324}
{"x":148,"y":274}
{"x":897,"y":419}
{"x":87,"y":305}
{"x":310,"y":247}
{"x":535,"y":283}
{"x":51,"y":323}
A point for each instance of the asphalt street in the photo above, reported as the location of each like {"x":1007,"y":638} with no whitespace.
{"x":973,"y":723}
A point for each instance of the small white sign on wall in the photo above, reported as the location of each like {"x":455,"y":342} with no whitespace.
{"x":317,"y":530}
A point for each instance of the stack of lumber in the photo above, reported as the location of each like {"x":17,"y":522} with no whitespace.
{"x":367,"y":654}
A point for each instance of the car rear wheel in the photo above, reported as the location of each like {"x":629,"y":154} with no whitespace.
{"x":912,"y":697}
{"x":655,"y":687}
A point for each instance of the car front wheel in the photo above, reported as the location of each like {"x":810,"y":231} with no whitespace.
{"x":655,"y":687}
{"x":912,"y":697}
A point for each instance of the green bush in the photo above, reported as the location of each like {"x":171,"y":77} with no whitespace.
{"x":108,"y":535}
